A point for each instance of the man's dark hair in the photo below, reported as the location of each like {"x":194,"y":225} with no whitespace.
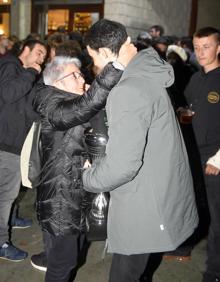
{"x":106,"y":33}
{"x":31,"y":44}
{"x":158,"y":28}
{"x":53,"y":40}
{"x":186,"y":42}
{"x":207,"y":31}
{"x":32,"y":36}
{"x":70,"y":48}
{"x":142,"y":43}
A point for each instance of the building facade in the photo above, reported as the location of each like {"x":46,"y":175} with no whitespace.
{"x":21,"y":17}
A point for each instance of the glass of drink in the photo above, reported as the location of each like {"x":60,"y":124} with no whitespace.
{"x":186,"y":115}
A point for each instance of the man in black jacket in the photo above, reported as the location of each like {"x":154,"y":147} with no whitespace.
{"x":203,"y":93}
{"x":17,"y":77}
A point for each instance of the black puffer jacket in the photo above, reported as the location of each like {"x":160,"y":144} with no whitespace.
{"x":60,"y":198}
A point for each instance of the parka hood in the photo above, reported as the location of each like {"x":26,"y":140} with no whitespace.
{"x":155,"y":68}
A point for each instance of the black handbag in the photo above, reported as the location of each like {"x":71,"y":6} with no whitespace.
{"x":97,"y":213}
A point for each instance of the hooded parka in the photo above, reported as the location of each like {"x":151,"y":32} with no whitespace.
{"x":152,"y":206}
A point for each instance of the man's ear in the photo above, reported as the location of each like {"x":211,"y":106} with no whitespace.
{"x":88,"y":48}
{"x":128,"y":40}
{"x":218,"y":50}
{"x":26,"y":51}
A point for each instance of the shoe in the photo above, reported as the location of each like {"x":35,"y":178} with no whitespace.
{"x":39,"y":261}
{"x":10,"y":252}
{"x":21,"y":223}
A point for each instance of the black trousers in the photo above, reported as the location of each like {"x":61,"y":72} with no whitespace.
{"x":212,"y":187}
{"x":127,"y":268}
{"x":213,"y":249}
{"x":62,"y":256}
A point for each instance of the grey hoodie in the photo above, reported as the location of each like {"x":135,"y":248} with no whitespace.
{"x":152,"y":206}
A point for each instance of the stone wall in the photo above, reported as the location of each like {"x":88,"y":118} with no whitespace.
{"x":20,"y":19}
{"x":139,"y":15}
{"x":208,"y":13}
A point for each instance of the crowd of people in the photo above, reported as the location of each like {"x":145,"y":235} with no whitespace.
{"x":162,"y":171}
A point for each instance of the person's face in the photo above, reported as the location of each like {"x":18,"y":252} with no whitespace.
{"x":36,"y":55}
{"x":10,"y":45}
{"x":207,"y":50}
{"x":154,"y":33}
{"x":4,"y":41}
{"x":72,"y":80}
{"x":101,"y":57}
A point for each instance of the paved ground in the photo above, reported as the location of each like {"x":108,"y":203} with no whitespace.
{"x":96,"y":269}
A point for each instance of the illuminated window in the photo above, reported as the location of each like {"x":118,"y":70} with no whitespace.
{"x":58,"y":18}
{"x":4,"y":23}
{"x":5,"y":2}
{"x":83,"y":21}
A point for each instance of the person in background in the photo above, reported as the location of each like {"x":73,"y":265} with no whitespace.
{"x":203,"y":93}
{"x":53,"y":41}
{"x":143,"y":41}
{"x":186,"y":43}
{"x":147,"y":214}
{"x":156,"y":31}
{"x":3,"y":45}
{"x":160,"y":44}
{"x":183,"y":71}
{"x":177,"y":57}
{"x":17,"y":78}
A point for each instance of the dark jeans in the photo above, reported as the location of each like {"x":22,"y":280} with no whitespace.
{"x":10,"y":181}
{"x":127,"y":268}
{"x":213,"y":250}
{"x":62,"y":256}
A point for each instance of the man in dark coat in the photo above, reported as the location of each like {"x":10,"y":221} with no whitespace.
{"x":152,"y":206}
{"x":17,"y":77}
{"x":203,"y":93}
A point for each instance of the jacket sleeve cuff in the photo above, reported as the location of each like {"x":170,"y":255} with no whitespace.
{"x":215,"y":160}
{"x":118,"y":66}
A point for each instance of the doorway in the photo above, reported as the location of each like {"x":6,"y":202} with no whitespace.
{"x":47,"y":19}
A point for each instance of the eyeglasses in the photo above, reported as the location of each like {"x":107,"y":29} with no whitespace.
{"x":75,"y":74}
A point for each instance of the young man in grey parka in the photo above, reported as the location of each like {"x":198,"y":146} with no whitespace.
{"x":152,"y":206}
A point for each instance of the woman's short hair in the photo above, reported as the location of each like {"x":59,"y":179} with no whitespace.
{"x":55,"y":69}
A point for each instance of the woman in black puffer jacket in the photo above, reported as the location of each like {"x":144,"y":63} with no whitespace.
{"x":64,"y":115}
